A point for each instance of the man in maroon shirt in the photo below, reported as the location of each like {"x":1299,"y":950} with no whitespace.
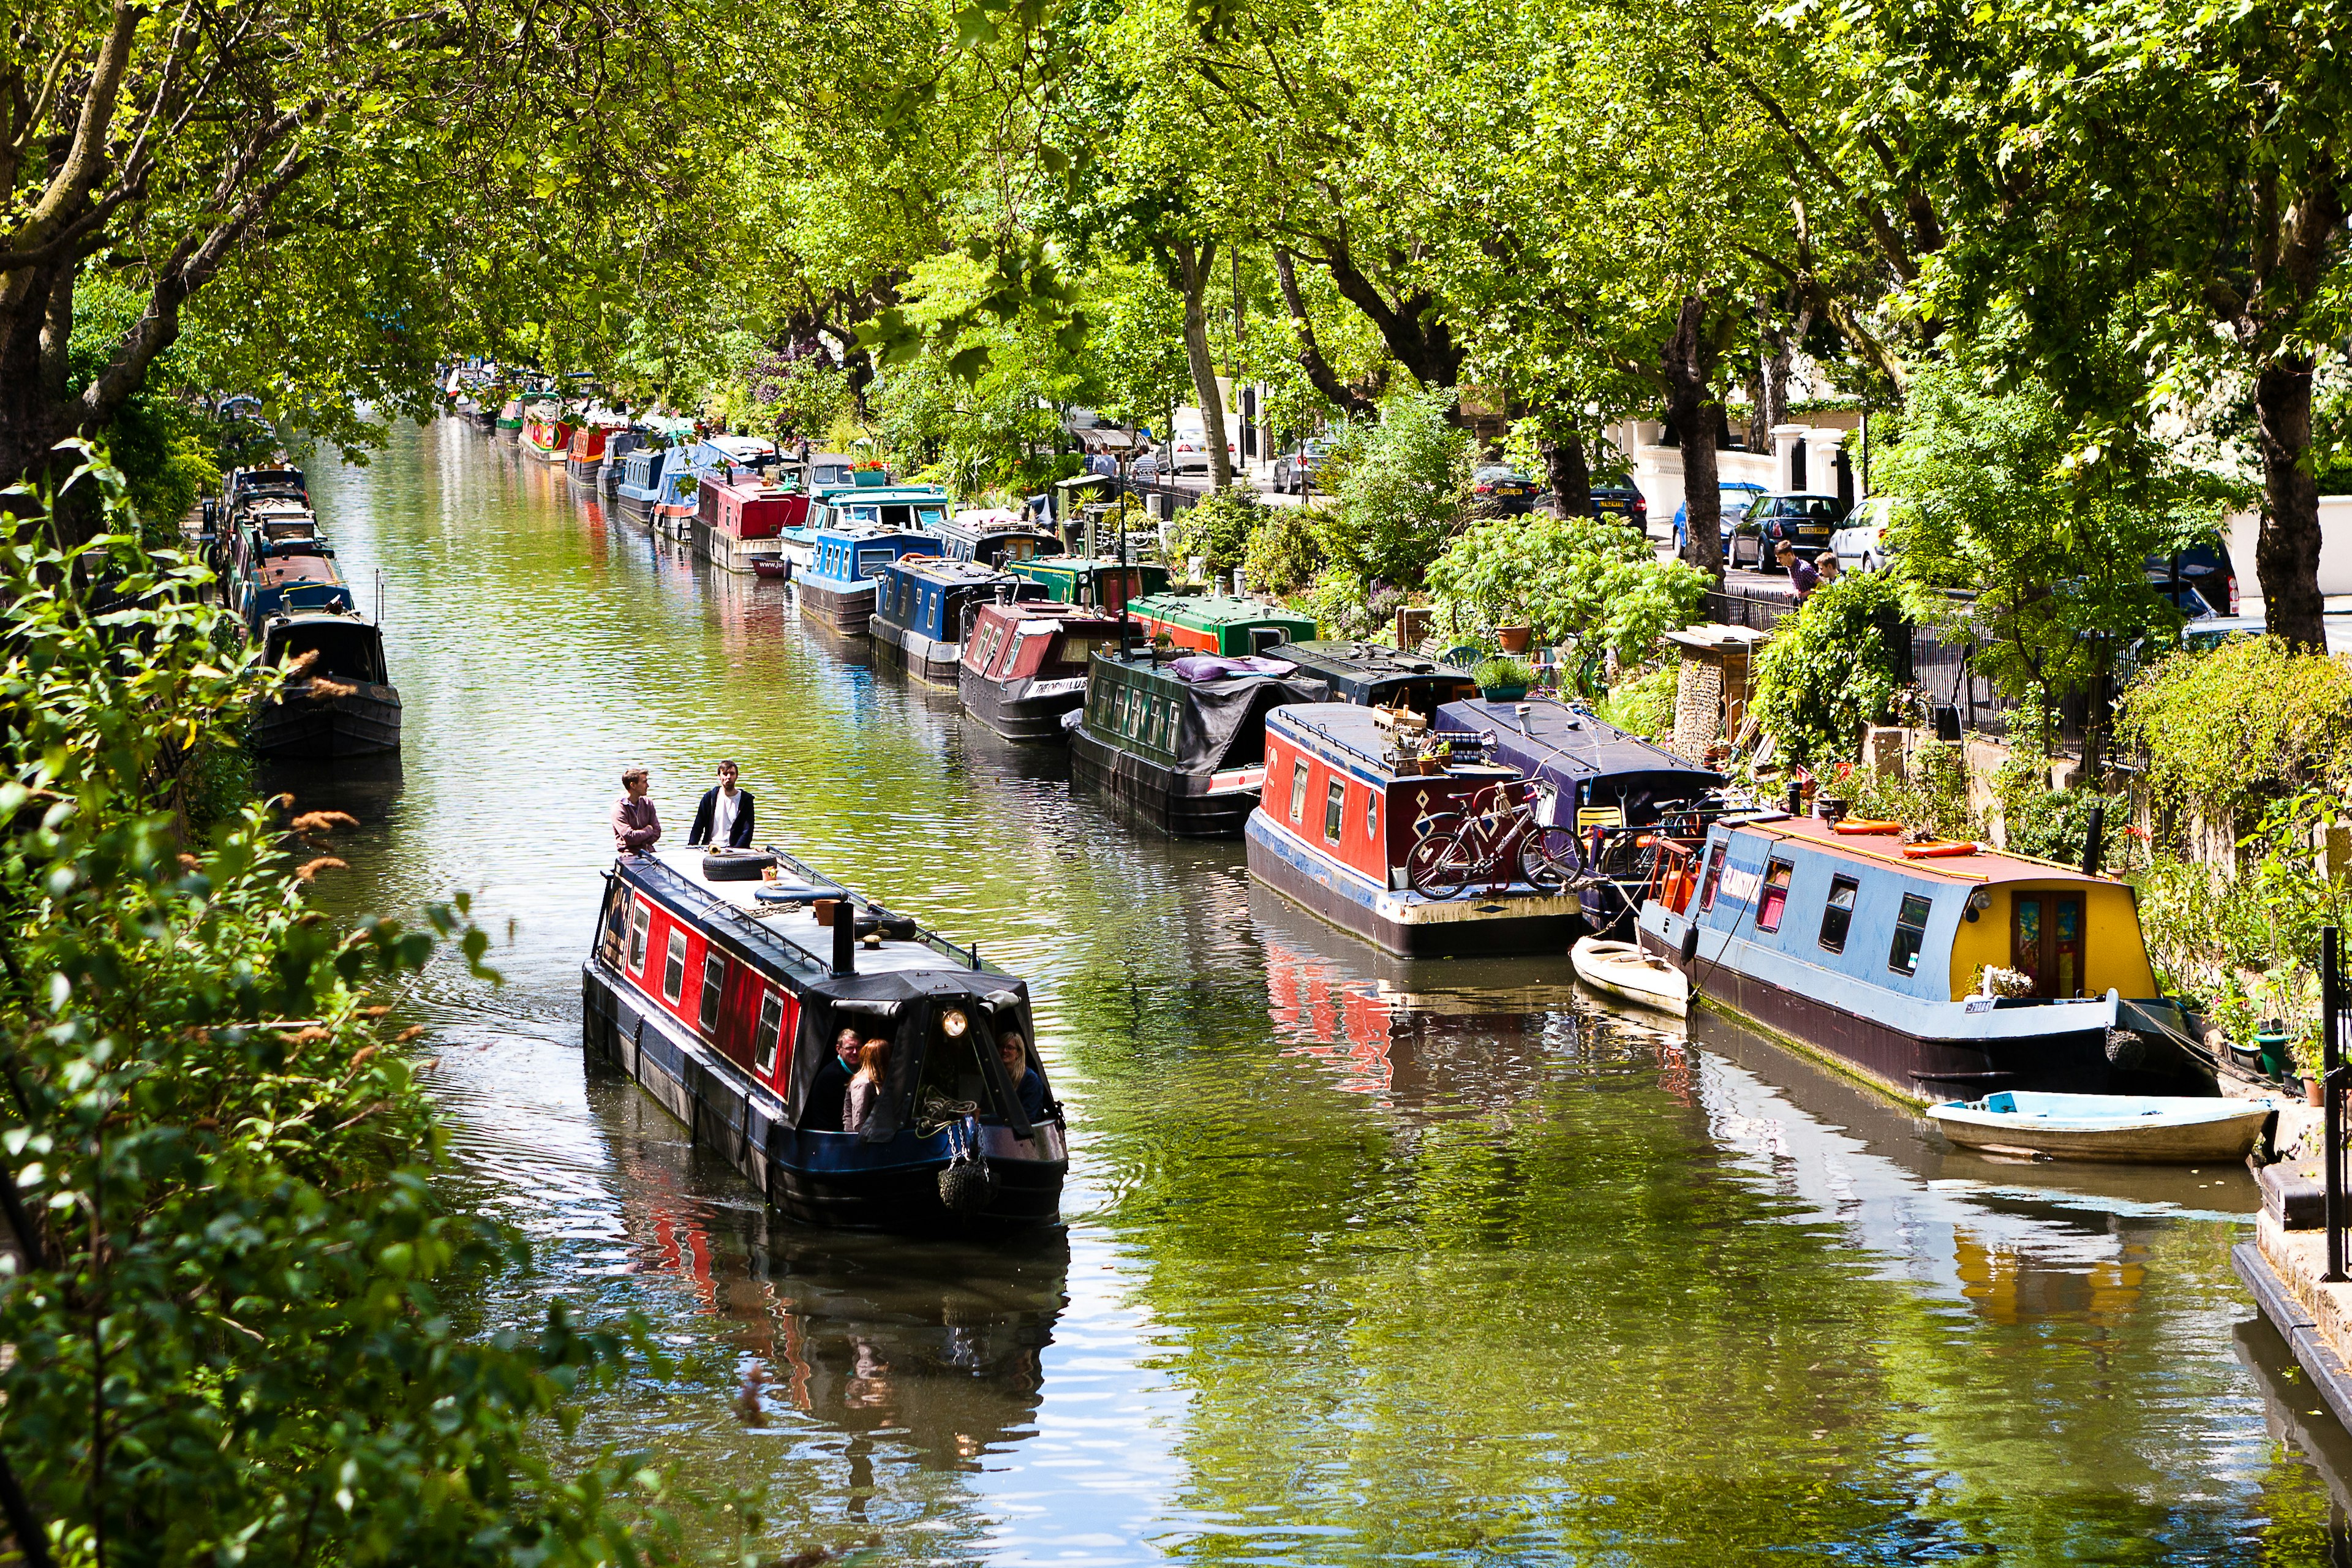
{"x":634,"y":824}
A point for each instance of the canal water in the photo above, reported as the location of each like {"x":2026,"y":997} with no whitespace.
{"x":1364,"y":1262}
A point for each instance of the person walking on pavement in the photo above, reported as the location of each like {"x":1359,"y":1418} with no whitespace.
{"x":1801,"y":576}
{"x":635,"y":824}
{"x":724,"y":817}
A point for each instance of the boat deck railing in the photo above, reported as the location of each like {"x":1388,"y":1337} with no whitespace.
{"x":967,"y":956}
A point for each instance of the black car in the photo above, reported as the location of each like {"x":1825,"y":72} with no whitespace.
{"x":1801,"y":519}
{"x":1498,"y":491}
{"x":2198,"y":579}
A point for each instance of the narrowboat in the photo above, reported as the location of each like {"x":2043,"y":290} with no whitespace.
{"x":836,"y":588}
{"x":1613,"y":782}
{"x":993,"y":537}
{"x":901,"y":507}
{"x":1373,"y":676}
{"x":1024,"y":665}
{"x":723,"y":997}
{"x":1939,"y":975}
{"x":546,"y":431}
{"x":643,"y":487}
{"x":281,"y":585}
{"x":584,"y":457}
{"x":260,"y":528}
{"x":1220,"y":625}
{"x":923,"y":607}
{"x":1343,"y":804}
{"x":1180,"y":743}
{"x":342,"y":704}
{"x":509,"y":421}
{"x":736,"y":522}
{"x":269,"y":479}
{"x":1100,"y":581}
{"x":722,"y":454}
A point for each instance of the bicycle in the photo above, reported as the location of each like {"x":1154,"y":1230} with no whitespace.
{"x":1500,"y":841}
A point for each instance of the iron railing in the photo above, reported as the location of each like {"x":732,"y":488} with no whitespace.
{"x":2333,"y":1076}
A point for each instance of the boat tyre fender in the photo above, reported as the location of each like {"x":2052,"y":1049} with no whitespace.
{"x":736,"y":864}
{"x":2126,"y":1050}
{"x":897,"y":928}
{"x":1936,"y":849}
{"x":1865,"y":825}
{"x":966,"y":1183}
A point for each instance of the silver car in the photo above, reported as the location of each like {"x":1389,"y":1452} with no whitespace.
{"x":1861,"y":542}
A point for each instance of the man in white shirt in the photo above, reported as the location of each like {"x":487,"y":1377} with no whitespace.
{"x":724,"y":817}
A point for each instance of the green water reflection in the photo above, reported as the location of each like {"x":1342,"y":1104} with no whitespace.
{"x":1366,"y":1262}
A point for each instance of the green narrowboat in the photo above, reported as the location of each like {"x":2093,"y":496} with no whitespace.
{"x":1099,"y":582}
{"x":1233,"y":628}
{"x":1180,"y":743}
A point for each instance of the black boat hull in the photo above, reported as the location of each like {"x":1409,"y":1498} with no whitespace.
{"x":1017,"y":716}
{"x":1179,"y":805}
{"x":366,"y":722}
{"x":819,"y":1178}
{"x":849,"y":611}
{"x":926,"y":659}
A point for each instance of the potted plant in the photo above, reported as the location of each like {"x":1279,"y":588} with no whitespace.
{"x":2304,"y":1046}
{"x":1503,"y":679}
{"x":1515,"y":638}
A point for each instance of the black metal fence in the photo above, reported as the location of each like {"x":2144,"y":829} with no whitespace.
{"x":2335,"y":1077}
{"x":1941,"y":667}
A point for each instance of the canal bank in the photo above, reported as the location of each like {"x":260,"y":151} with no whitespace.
{"x":1366,"y":1259}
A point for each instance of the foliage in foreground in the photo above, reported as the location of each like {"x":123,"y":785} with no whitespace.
{"x":233,"y":1295}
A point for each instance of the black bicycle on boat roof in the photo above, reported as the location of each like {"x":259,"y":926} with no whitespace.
{"x":1502,"y":838}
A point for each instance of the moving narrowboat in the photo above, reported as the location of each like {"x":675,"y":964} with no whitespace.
{"x":992,"y":537}
{"x":836,"y":588}
{"x":1220,"y":625}
{"x":923,"y":606}
{"x":1610,"y":782}
{"x":1180,"y":743}
{"x":736,"y":522}
{"x":723,"y":997}
{"x":342,"y":704}
{"x":546,"y":433}
{"x":1943,"y":975}
{"x":1096,"y":580}
{"x":1371,"y":675}
{"x":1024,"y":665}
{"x":1343,"y":805}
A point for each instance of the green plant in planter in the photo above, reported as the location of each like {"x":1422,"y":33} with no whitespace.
{"x":1501,"y":674}
{"x":1575,"y":580}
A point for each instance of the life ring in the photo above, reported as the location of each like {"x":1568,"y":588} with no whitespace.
{"x":1865,"y":825}
{"x":1936,"y":849}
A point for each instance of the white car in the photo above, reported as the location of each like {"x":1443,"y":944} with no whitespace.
{"x":1860,"y":544}
{"x":1188,"y":445}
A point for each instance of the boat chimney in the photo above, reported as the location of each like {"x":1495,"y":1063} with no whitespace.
{"x":1796,"y":798}
{"x":844,"y":938}
{"x":2093,"y":833}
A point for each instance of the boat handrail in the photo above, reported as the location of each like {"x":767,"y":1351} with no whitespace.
{"x":968,"y":956}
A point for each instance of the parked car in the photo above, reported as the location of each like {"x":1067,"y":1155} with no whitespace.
{"x":1500,"y":490}
{"x":2198,"y":581}
{"x":2212,"y":631}
{"x":1616,"y":496}
{"x":1800,"y":518}
{"x":1188,"y":445}
{"x":1860,"y":543}
{"x":1733,"y":499}
{"x":1294,"y":471}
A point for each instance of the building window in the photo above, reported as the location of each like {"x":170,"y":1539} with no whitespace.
{"x":769,"y":1034}
{"x":1776,"y":895}
{"x":1298,"y":790}
{"x":714,"y":978}
{"x":1910,"y":931}
{"x":640,"y":923}
{"x":1334,"y":807}
{"x":673,"y":967}
{"x":1713,"y":875}
{"x":1837,"y":915}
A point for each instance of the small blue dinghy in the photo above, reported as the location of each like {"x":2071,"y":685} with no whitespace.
{"x":2111,"y":1129}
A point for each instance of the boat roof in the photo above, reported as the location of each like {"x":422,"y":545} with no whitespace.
{"x":951,"y":573}
{"x":1082,"y":565}
{"x":1048,"y":610}
{"x":1567,"y":742}
{"x":874,"y":534}
{"x":1217,"y":610}
{"x":1986,"y":865}
{"x":741,"y":448}
{"x":1354,"y":729}
{"x":279,"y":570}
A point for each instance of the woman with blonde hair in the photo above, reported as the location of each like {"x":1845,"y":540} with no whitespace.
{"x":865,"y":1087}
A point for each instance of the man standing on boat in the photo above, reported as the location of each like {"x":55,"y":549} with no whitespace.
{"x":724,"y":817}
{"x":635,"y":824}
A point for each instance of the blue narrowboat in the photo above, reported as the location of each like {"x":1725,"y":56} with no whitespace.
{"x":846,"y":561}
{"x":1612,"y":784}
{"x":1937,"y":972}
{"x":721,"y":983}
{"x":646,"y":477}
{"x":923,"y":610}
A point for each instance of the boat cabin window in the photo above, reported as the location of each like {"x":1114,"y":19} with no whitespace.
{"x":1298,"y":789}
{"x":769,"y":1034}
{"x":1265,"y":638}
{"x":1910,"y":931}
{"x":1372,"y":815}
{"x":673,"y":967}
{"x":929,"y":516}
{"x":1335,"y":809}
{"x":2046,"y":942}
{"x":1837,"y":915}
{"x":640,"y":923}
{"x":714,"y":978}
{"x":871,"y":561}
{"x":1713,"y":875}
{"x":616,"y":923}
{"x":347,"y":650}
{"x":1775,"y":900}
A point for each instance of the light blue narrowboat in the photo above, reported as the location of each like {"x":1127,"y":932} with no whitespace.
{"x":845,"y":562}
{"x":645,"y":482}
{"x":924,"y":608}
{"x":1937,"y":970}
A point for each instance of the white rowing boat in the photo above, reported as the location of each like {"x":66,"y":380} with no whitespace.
{"x":2111,"y":1129}
{"x":1623,"y":970}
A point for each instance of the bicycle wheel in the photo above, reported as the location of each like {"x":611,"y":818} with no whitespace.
{"x":1538,"y":870}
{"x":1439,"y":865}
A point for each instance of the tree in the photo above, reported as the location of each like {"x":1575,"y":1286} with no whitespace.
{"x":1403,"y":485}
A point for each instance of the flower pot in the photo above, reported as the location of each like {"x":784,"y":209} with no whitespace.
{"x":1502,"y":693}
{"x":1515,"y":639}
{"x":2312,"y":1091}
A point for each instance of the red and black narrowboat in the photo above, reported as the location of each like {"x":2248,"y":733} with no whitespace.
{"x":924,"y":606}
{"x":739,"y":521}
{"x":1342,"y":807}
{"x":1024,"y":665}
{"x":722,"y":994}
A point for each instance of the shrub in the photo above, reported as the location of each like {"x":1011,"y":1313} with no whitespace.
{"x":1502,"y":671}
{"x":1403,"y":485}
{"x":1347,"y":608}
{"x":2250,"y":721}
{"x":1287,"y":550}
{"x":1218,"y":528}
{"x":1830,"y":669}
{"x":1644,"y":704}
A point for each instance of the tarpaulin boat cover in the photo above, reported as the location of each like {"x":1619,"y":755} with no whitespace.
{"x":1226,"y":718}
{"x":1589,"y":762}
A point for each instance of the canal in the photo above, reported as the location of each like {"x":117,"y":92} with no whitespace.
{"x":1364,"y":1262}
